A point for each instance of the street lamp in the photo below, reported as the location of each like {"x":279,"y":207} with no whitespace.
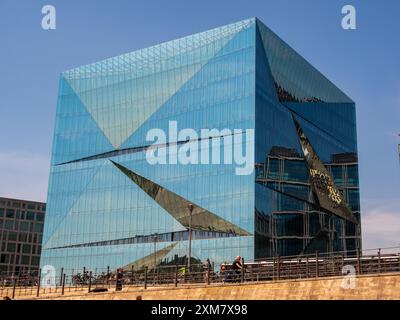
{"x":190,"y":207}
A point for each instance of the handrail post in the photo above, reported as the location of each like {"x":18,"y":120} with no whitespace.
{"x":379,"y":260}
{"x":14,"y":286}
{"x":316,"y":265}
{"x":108,"y":275}
{"x":279,"y":267}
{"x":399,"y":261}
{"x":61,"y":275}
{"x":307,"y":268}
{"x":145,"y":277}
{"x":176,"y":275}
{"x":63,"y":285}
{"x":38,"y":284}
{"x":242,"y":273}
{"x":90,"y":282}
{"x":358,"y":262}
{"x":132,"y":274}
{"x":273,"y":268}
{"x":342,"y":261}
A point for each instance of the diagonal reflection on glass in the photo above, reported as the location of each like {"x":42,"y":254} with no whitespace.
{"x":148,"y":261}
{"x":327,"y":193}
{"x":177,"y":206}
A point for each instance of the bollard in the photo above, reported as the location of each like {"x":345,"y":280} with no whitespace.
{"x":63,"y":285}
{"x":38,"y":282}
{"x":176,"y":275}
{"x":90,"y":282}
{"x":132,"y":275}
{"x":145,"y":277}
{"x":208,"y":274}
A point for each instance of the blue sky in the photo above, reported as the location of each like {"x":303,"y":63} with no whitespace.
{"x":364,"y":63}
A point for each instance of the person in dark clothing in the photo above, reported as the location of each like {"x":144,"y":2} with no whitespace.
{"x":207,"y":270}
{"x":237,"y":268}
{"x":119,"y":280}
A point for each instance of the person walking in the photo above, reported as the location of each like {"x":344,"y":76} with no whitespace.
{"x":207,"y":270}
{"x":237,"y":268}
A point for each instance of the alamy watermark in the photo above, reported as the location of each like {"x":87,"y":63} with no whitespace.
{"x":349,"y":277}
{"x":349,"y":20}
{"x":48,"y":277}
{"x":187,"y":146}
{"x":49,"y":19}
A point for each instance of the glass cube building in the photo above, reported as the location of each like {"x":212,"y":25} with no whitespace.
{"x":109,"y":206}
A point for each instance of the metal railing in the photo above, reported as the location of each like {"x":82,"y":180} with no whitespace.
{"x":378,"y":261}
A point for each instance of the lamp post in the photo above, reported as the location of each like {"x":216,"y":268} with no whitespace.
{"x":190,"y":207}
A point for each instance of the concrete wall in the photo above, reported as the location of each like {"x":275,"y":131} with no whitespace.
{"x":367,"y":287}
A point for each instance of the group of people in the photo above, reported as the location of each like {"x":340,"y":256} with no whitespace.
{"x":231,"y":274}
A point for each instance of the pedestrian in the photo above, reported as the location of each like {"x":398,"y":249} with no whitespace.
{"x":207,"y":268}
{"x":237,"y":268}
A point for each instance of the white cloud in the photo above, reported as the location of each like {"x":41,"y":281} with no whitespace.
{"x":24,"y":175}
{"x":381,"y":224}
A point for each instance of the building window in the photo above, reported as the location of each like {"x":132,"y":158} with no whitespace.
{"x":39,"y":216}
{"x":30,"y":216}
{"x":10,"y":213}
{"x":25,"y":260}
{"x":16,"y":204}
{"x":9,"y":225}
{"x":4,"y":258}
{"x":11,"y":247}
{"x":26,"y":248}
{"x":24,"y":226}
{"x":35,"y":261}
{"x":23,"y":237}
{"x":12,"y":236}
{"x":38,"y":227}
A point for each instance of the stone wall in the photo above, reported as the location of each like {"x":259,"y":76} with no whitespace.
{"x":366,"y":287}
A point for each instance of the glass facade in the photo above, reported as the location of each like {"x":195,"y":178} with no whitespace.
{"x":108,"y":206}
{"x":307,"y":189}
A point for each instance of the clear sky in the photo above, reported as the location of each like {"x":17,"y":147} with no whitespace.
{"x":364,"y":63}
